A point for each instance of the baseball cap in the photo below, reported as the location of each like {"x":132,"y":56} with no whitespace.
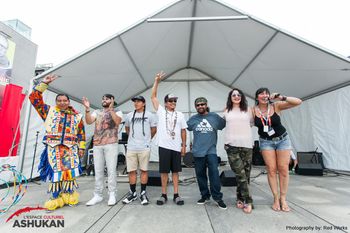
{"x":200,"y":100}
{"x":170,"y":96}
{"x":139,"y":97}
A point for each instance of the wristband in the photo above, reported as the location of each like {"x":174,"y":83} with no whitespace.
{"x":284,"y":98}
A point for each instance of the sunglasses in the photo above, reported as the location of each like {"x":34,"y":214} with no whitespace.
{"x":172,"y":101}
{"x":236,"y":95}
{"x":202,"y":104}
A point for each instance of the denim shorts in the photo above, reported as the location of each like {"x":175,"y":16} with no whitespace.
{"x":281,"y":144}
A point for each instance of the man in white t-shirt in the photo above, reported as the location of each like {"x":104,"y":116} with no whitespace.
{"x":105,"y":148}
{"x":140,"y":125}
{"x":171,"y":131}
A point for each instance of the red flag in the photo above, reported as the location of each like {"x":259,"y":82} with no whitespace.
{"x":9,"y":120}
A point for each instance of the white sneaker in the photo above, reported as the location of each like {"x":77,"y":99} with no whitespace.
{"x":112,"y":200}
{"x":96,"y":199}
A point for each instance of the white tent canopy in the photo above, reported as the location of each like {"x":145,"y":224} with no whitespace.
{"x":246,"y":54}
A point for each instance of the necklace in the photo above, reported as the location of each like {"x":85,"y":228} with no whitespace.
{"x":265,"y":113}
{"x":170,"y":123}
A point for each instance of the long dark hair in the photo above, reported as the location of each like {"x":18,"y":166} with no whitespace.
{"x":243,"y":105}
{"x":143,"y":122}
{"x":259,"y":91}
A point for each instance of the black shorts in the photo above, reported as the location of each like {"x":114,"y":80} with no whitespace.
{"x":169,"y":160}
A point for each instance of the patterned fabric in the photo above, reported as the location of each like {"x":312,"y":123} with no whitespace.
{"x":65,"y":135}
{"x":240,"y":160}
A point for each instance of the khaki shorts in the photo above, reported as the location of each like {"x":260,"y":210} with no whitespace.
{"x":137,"y":158}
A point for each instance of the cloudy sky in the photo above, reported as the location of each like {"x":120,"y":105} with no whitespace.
{"x":64,"y":28}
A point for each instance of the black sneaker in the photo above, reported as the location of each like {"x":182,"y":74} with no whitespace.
{"x":162,"y":200}
{"x":178,"y":201}
{"x":203,"y":200}
{"x":144,"y":198}
{"x":132,"y":196}
{"x":222,"y":205}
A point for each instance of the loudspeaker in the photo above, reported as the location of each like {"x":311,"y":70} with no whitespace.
{"x":228,"y":178}
{"x":188,"y":160}
{"x":154,"y":178}
{"x":121,"y":159}
{"x":257,"y":159}
{"x":309,"y":169}
{"x":310,"y":163}
{"x":310,"y":157}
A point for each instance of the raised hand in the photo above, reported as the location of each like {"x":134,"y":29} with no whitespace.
{"x":111,"y":105}
{"x":274,"y":96}
{"x":86,"y":103}
{"x":49,"y":78}
{"x":159,"y":76}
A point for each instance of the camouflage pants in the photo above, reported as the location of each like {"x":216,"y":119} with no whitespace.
{"x":240,"y":160}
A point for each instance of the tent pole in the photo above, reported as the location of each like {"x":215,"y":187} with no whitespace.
{"x":191,"y":19}
{"x":25,"y":130}
{"x":189,"y":100}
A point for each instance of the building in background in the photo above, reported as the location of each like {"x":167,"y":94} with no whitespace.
{"x":17,"y":67}
{"x":41,"y":68}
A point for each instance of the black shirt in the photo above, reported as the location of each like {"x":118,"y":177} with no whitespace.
{"x":275,"y":124}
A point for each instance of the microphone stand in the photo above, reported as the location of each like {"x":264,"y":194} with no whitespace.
{"x":314,"y":158}
{"x":35,"y":146}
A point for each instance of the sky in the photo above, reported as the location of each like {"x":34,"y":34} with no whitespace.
{"x":65,"y":28}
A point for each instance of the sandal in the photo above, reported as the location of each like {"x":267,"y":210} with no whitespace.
{"x":285,"y":207}
{"x":276,"y":207}
{"x":248,"y":208}
{"x":239,"y":204}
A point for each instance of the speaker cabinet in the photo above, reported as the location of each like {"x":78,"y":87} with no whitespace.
{"x":310,"y":163}
{"x":309,"y":169}
{"x":257,"y":159}
{"x":154,"y":178}
{"x":228,"y":178}
{"x":310,"y":157}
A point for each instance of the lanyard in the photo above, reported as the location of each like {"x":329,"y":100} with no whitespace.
{"x":267,"y":119}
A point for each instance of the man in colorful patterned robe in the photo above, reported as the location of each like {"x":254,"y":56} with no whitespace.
{"x":64,"y":141}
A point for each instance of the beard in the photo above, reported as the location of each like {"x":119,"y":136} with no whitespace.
{"x":201,"y":110}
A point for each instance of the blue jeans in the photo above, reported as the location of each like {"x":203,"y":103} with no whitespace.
{"x":201,"y":165}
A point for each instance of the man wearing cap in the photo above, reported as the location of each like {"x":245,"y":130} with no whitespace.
{"x":205,"y":125}
{"x":140,"y":125}
{"x":171,"y":134}
{"x":105,"y":148}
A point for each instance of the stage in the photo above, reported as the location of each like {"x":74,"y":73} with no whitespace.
{"x":318,"y":204}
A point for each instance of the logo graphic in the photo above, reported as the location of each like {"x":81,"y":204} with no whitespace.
{"x":24,"y":210}
{"x":36,"y":221}
{"x":204,"y":126}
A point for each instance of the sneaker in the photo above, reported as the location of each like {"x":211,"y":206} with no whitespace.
{"x":96,"y":199}
{"x":130,"y":198}
{"x":179,"y":201}
{"x":162,"y":200}
{"x":112,"y":200}
{"x":222,"y":205}
{"x":203,"y":200}
{"x":144,"y":198}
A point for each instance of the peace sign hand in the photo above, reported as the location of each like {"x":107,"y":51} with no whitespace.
{"x":49,"y":78}
{"x":159,"y":76}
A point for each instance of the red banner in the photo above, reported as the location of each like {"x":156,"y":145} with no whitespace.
{"x":9,"y":120}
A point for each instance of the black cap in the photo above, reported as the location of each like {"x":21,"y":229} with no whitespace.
{"x":139,"y":97}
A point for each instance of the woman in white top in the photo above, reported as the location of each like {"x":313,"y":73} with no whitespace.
{"x":238,"y":144}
